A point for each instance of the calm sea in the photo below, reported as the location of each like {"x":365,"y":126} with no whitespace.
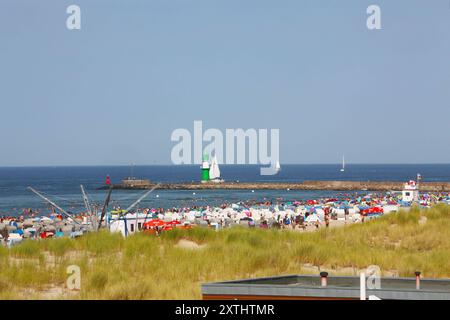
{"x":62,"y":184}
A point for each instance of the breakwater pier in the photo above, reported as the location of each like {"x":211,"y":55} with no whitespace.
{"x":305,"y":185}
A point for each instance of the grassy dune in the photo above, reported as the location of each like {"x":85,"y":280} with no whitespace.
{"x":146,"y":267}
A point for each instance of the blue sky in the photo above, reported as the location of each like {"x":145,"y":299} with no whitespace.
{"x":112,"y":92}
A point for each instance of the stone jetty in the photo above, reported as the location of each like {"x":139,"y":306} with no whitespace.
{"x":305,"y":185}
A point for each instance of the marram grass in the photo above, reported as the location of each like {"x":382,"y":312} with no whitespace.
{"x":146,"y":267}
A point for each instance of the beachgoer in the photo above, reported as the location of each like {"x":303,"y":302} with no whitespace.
{"x":264,"y":225}
{"x":327,"y":220}
{"x":286,"y":221}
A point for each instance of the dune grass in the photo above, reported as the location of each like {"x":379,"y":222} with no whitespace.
{"x":147,"y":267}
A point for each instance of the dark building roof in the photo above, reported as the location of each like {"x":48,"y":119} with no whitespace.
{"x":338,"y":287}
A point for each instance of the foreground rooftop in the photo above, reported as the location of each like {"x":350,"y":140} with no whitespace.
{"x":337,"y":287}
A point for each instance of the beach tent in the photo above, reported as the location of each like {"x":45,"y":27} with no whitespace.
{"x":168,"y":216}
{"x":13,"y":239}
{"x":390,"y":208}
{"x":176,"y":216}
{"x":197,"y":214}
{"x":313,"y":218}
{"x":46,"y":220}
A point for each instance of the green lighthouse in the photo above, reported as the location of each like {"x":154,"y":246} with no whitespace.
{"x":205,"y":168}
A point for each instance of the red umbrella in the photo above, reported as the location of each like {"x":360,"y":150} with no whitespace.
{"x":154,"y":223}
{"x":174,"y":222}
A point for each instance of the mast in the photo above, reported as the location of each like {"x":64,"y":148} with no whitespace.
{"x":53,"y":204}
{"x":139,"y":200}
{"x":92,"y":213}
{"x":86,"y":200}
{"x":105,"y":206}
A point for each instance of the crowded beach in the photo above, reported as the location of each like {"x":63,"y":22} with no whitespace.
{"x":301,"y":215}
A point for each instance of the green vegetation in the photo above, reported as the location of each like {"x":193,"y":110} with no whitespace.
{"x":148,"y":267}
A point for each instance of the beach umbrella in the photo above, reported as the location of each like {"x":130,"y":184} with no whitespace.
{"x":173,"y":222}
{"x":154,"y":223}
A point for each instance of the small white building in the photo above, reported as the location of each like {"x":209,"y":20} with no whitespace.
{"x":128,"y":224}
{"x":410,"y":192}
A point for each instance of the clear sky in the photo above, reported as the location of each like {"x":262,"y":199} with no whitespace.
{"x":112,"y":92}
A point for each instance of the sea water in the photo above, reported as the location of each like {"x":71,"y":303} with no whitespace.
{"x":62,"y":184}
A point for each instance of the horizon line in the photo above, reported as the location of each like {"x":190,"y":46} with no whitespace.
{"x":189,"y":165}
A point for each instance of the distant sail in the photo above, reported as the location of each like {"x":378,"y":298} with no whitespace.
{"x":277,"y":166}
{"x":214,"y":171}
{"x":343,"y":164}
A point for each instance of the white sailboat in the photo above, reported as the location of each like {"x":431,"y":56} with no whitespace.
{"x":343,"y":164}
{"x":277,"y":166}
{"x":214,"y":171}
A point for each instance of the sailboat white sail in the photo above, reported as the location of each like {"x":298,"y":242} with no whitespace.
{"x":277,"y":166}
{"x":214,"y":171}
{"x":343,"y":164}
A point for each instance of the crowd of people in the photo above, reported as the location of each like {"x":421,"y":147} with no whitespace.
{"x":279,"y":213}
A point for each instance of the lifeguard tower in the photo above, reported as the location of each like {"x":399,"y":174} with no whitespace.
{"x":410,"y":192}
